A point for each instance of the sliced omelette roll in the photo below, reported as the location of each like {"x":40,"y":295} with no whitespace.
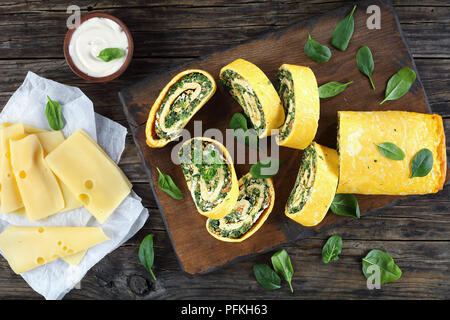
{"x":210,"y":176}
{"x":297,"y":88}
{"x":364,"y":169}
{"x":315,"y":186}
{"x":177,"y":103}
{"x":251,"y":88}
{"x":254,"y":204}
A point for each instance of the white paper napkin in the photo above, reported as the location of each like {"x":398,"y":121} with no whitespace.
{"x":27,"y":105}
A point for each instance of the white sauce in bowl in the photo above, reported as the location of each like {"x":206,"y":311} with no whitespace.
{"x":89,"y":39}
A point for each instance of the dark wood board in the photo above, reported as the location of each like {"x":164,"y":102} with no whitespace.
{"x":197,"y":251}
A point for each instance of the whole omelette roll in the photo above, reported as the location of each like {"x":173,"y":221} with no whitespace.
{"x":362,"y":167}
{"x":177,"y":103}
{"x":210,"y":176}
{"x":315,"y":186}
{"x":254,"y":204}
{"x":297,"y":88}
{"x":251,"y":88}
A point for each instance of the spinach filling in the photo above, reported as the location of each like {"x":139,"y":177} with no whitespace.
{"x":207,"y":174}
{"x":254,"y":198}
{"x":183,"y":106}
{"x":285,"y":88}
{"x":305,"y":181}
{"x":238,"y":88}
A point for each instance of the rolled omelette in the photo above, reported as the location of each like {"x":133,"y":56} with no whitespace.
{"x":251,"y":88}
{"x":315,"y":186}
{"x":299,"y":93}
{"x":209,"y":172}
{"x":254,"y":204}
{"x":177,"y":103}
{"x":363,"y":169}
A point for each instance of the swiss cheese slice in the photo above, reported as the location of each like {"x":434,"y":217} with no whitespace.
{"x":75,"y":259}
{"x":10,"y":196}
{"x":26,"y":248}
{"x":86,"y":169}
{"x":38,"y":186}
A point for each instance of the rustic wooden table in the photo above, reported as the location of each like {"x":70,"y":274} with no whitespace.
{"x":415,"y":232}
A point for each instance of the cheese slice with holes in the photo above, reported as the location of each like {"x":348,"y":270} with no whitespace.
{"x":75,"y":259}
{"x":49,"y":141}
{"x":26,"y":248}
{"x":90,"y":174}
{"x":37,"y":184}
{"x":10,"y":196}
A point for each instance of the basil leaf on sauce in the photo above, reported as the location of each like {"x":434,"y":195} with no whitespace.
{"x":391,"y":151}
{"x":242,"y":133}
{"x":332,"y":249}
{"x":343,"y":32}
{"x":345,"y":205}
{"x":266,"y":277}
{"x":283,"y":266}
{"x":365,"y":63}
{"x":109,"y":54}
{"x":317,"y":52}
{"x":53,"y":114}
{"x":331,"y":89}
{"x":166,"y":184}
{"x":389,"y":271}
{"x":265,"y":168}
{"x":422,"y":163}
{"x":399,"y":84}
{"x":147,"y":254}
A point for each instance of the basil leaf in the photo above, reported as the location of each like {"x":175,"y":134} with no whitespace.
{"x":332,"y":249}
{"x":53,"y":114}
{"x":265,"y":168}
{"x":391,"y":151}
{"x":283,"y":266}
{"x":317,"y":52}
{"x":422,"y":163}
{"x":343,"y":32}
{"x":399,"y":84}
{"x":109,"y":54}
{"x":365,"y":63}
{"x":147,"y":254}
{"x":345,"y":205}
{"x":166,"y":184}
{"x":238,"y":121}
{"x":389,"y":271}
{"x":331,"y":89}
{"x":241,"y":132}
{"x":266,"y":277}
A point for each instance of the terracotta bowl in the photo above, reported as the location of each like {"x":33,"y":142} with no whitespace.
{"x":83,"y":75}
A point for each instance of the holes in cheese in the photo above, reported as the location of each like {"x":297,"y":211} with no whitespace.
{"x":10,"y":196}
{"x":79,"y":159}
{"x":40,"y":190}
{"x":75,"y":258}
{"x":89,"y":184}
{"x":25,"y":248}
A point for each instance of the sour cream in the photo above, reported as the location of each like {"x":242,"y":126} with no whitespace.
{"x":89,"y":39}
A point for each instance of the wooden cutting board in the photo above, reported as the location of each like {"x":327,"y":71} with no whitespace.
{"x":196,"y":250}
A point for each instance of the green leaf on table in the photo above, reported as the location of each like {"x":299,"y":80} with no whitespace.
{"x":391,"y":151}
{"x":265,"y":168}
{"x":399,"y":84}
{"x":422,"y":163}
{"x":241,"y":131}
{"x":283,"y":266}
{"x":331,"y":89}
{"x":345,"y":205}
{"x":54,"y":115}
{"x":343,"y":32}
{"x":317,"y":52}
{"x":332,"y":249}
{"x":147,"y":254}
{"x":365,"y":63}
{"x":389,"y":271}
{"x":266,"y":277}
{"x":166,"y":184}
{"x":109,"y":54}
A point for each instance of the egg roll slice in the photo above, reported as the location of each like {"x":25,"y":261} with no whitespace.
{"x":254,"y":204}
{"x":177,"y":103}
{"x":251,"y":88}
{"x":364,"y":170}
{"x":209,"y":172}
{"x":315,"y":186}
{"x":297,"y":88}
